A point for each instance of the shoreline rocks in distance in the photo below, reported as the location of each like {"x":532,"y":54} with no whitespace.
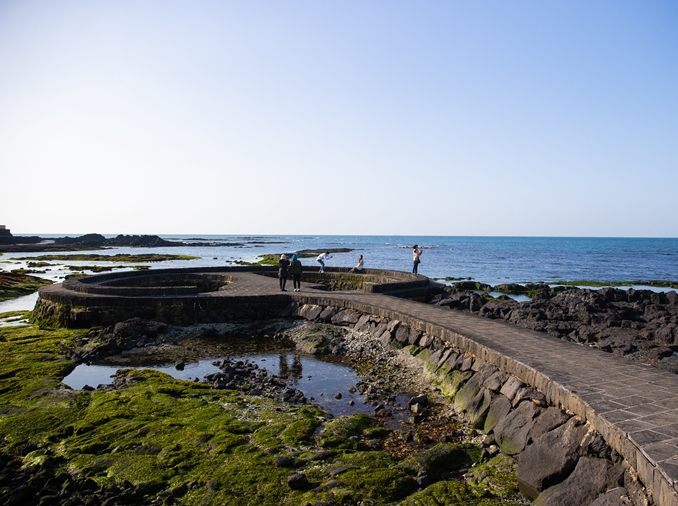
{"x":31,"y":244}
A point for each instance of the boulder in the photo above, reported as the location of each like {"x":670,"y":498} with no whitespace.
{"x":511,"y":387}
{"x":551,"y":418}
{"x":419,"y":399}
{"x":327,"y":314}
{"x":346,"y":317}
{"x":478,"y":408}
{"x":414,"y":336}
{"x":297,"y":481}
{"x":467,"y":393}
{"x":615,"y":497}
{"x":402,"y":335}
{"x":386,"y":337}
{"x":588,"y":480}
{"x":529,"y":393}
{"x":454,"y":381}
{"x":495,"y":381}
{"x":499,"y":408}
{"x":467,"y":363}
{"x":310,"y":311}
{"x":363,"y":323}
{"x":551,"y":458}
{"x":511,"y":433}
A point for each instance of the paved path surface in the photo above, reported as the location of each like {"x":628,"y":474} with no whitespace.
{"x":635,"y":407}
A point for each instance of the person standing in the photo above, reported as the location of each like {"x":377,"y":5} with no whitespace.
{"x":322,"y":258}
{"x":295,"y":270}
{"x":283,"y":264}
{"x":416,"y":253}
{"x":358,"y":267}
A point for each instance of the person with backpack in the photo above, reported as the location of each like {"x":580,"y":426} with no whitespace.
{"x":295,"y":270}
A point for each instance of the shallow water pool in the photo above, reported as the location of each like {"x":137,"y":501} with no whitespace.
{"x":317,"y":379}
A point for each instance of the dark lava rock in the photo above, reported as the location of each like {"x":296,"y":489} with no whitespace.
{"x":551,"y":458}
{"x":285,"y":461}
{"x":249,"y":378}
{"x":615,"y":497}
{"x":638,"y":324}
{"x":297,"y":481}
{"x":512,"y":432}
{"x":588,"y":480}
{"x":419,"y":399}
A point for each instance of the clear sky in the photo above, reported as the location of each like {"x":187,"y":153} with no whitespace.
{"x":351,"y":117}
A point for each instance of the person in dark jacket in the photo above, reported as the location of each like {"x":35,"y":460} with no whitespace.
{"x":283,"y":264}
{"x":295,"y":270}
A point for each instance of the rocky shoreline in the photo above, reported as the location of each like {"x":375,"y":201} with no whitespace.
{"x":640,"y":325}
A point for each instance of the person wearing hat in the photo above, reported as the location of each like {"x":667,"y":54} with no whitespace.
{"x":295,"y":270}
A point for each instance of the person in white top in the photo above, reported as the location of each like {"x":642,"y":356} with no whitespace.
{"x":416,"y":253}
{"x":358,"y":267}
{"x":322,"y":258}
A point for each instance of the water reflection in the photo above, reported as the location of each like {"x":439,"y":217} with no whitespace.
{"x":324,"y":379}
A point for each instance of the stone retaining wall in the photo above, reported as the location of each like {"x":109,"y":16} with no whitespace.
{"x":562,"y":458}
{"x":176,"y":311}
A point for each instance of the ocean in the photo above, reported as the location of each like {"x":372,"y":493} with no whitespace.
{"x":490,"y":260}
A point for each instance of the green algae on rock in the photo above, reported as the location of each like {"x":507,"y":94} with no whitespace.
{"x":15,"y":285}
{"x":154,"y":438}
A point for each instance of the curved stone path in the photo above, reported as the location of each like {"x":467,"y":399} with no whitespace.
{"x":634,"y":407}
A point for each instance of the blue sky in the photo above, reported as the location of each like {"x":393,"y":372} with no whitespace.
{"x":413,"y":118}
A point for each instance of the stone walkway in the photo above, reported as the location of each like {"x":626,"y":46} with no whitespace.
{"x":634,"y":407}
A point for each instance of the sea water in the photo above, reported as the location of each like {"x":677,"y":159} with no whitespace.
{"x":491,"y":260}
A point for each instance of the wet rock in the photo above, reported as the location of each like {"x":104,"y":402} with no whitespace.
{"x":421,"y":399}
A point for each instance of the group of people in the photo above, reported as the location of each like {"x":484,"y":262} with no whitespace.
{"x":295,"y":268}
